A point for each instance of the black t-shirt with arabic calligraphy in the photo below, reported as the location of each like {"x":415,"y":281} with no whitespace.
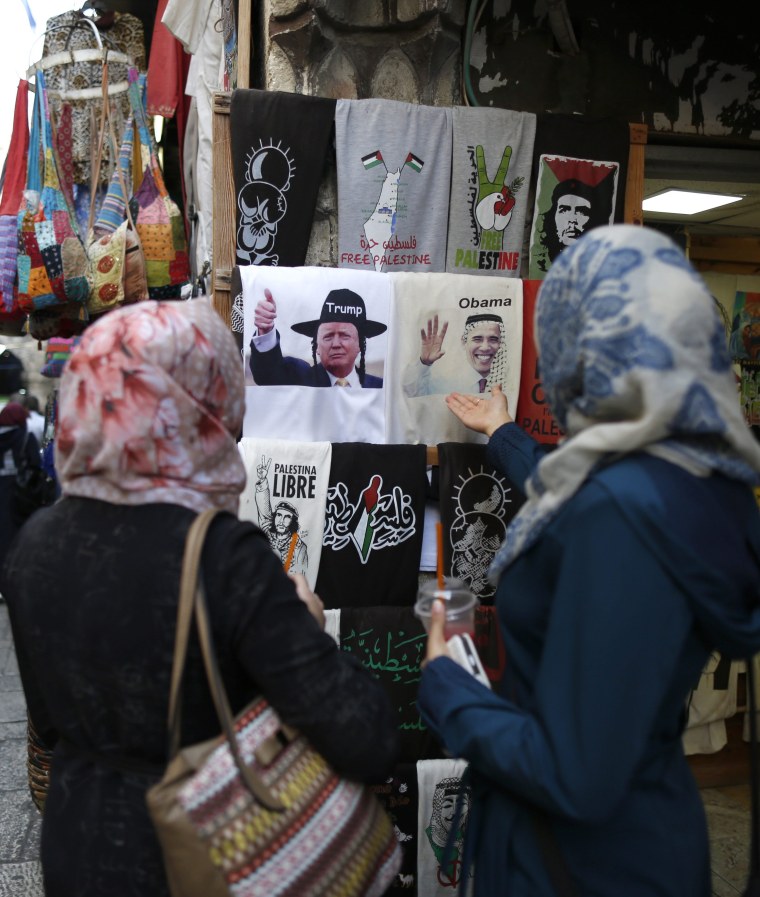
{"x":372,"y":540}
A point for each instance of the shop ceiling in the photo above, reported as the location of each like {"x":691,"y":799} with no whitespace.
{"x":734,"y":171}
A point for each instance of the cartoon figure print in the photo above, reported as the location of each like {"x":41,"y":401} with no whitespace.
{"x":491,"y":205}
{"x":262,"y":203}
{"x":483,"y":506}
{"x":281,"y":523}
{"x":380,"y":228}
{"x":374,"y":522}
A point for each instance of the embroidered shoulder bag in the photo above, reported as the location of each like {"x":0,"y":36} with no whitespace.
{"x":113,"y":245}
{"x":158,"y":219}
{"x":258,"y":810}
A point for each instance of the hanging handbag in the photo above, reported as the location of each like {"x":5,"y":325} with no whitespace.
{"x":12,"y":317}
{"x":113,"y":245}
{"x":158,"y":219}
{"x":135,"y":278}
{"x":258,"y":810}
{"x":53,"y":268}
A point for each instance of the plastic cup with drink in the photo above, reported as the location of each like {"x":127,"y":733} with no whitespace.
{"x":460,"y":605}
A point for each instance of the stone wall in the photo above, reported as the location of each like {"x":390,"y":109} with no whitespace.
{"x":407,"y":50}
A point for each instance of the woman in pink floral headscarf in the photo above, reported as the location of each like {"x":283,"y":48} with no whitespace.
{"x":150,"y":406}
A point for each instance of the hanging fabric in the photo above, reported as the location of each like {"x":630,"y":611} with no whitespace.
{"x":168,"y":67}
{"x":12,"y":317}
{"x":72,"y":58}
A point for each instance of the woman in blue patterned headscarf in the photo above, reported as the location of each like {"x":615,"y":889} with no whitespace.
{"x":636,"y":554}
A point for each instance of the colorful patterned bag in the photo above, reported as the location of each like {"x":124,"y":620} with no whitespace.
{"x":113,"y":245}
{"x":158,"y":219}
{"x":56,"y":320}
{"x":115,"y":204}
{"x":53,"y":268}
{"x":57,"y":353}
{"x":259,"y":811}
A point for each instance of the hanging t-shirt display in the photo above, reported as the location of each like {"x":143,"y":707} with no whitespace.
{"x":491,"y":166}
{"x":394,"y":162}
{"x":450,"y":333}
{"x":579,"y":168}
{"x":710,"y":704}
{"x":489,"y":643}
{"x":280,"y":143}
{"x":285,"y":493}
{"x":532,"y":412}
{"x":373,"y":528}
{"x":477,"y":504}
{"x":398,"y":794}
{"x":390,"y":642}
{"x":307,"y":331}
{"x":441,"y":832}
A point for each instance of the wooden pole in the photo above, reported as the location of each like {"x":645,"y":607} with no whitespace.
{"x":223,"y":227}
{"x":634,"y":185}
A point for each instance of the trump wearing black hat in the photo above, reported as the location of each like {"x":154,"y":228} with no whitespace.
{"x":338,"y":337}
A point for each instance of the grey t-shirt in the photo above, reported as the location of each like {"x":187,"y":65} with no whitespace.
{"x":490,"y":179}
{"x":394,"y":163}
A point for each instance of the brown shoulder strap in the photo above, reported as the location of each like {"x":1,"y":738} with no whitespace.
{"x":192,"y":600}
{"x":190,"y":565}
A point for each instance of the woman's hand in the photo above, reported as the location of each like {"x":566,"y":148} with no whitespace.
{"x":484,"y":415}
{"x":309,"y":598}
{"x":436,"y":643}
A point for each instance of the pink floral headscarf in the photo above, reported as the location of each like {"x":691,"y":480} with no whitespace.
{"x":150,"y":406}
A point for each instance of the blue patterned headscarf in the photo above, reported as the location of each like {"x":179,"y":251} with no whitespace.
{"x":633,"y":357}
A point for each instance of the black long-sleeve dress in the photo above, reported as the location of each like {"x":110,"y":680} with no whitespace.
{"x":92,"y":592}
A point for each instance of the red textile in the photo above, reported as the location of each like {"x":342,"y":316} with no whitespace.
{"x":63,"y":145}
{"x":533,"y":413}
{"x":15,"y":174}
{"x":167,"y":76}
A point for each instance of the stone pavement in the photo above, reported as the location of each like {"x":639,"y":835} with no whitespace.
{"x":19,"y":819}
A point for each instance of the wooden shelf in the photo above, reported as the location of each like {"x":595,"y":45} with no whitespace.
{"x":725,"y":255}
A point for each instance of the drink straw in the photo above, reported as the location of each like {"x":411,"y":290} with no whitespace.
{"x":439,"y":534}
{"x":291,"y":549}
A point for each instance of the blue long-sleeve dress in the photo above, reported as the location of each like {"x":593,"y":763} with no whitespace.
{"x":607,"y":621}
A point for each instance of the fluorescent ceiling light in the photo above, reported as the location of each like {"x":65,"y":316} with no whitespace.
{"x":686,"y":202}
